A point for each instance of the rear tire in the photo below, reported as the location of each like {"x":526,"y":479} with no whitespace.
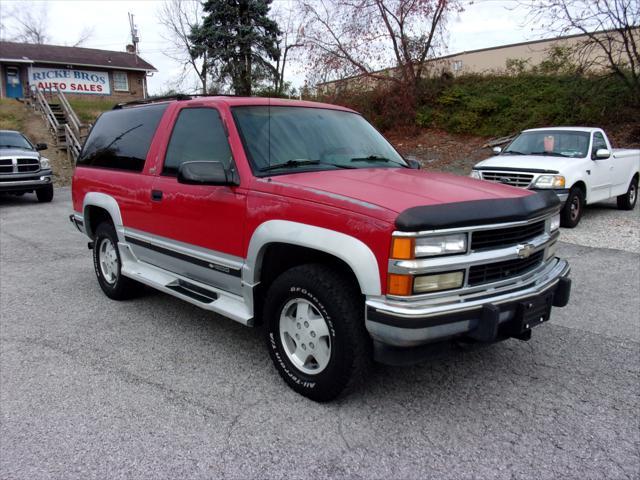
{"x":315,"y":331}
{"x":628,"y":200}
{"x":45,"y":194}
{"x":108,"y":265}
{"x":572,"y":211}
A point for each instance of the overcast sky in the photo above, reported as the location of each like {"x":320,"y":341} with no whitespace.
{"x":484,"y":23}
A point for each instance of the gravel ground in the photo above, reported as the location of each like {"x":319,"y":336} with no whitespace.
{"x":157,"y":388}
{"x":604,"y":226}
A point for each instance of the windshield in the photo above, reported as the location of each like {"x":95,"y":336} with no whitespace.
{"x":558,"y":143}
{"x":14,"y":140}
{"x":285,"y":139}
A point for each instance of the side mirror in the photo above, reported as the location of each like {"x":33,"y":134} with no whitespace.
{"x":204,"y":173}
{"x":41,"y":146}
{"x":602,"y":153}
{"x":497,"y":150}
{"x":413,"y":162}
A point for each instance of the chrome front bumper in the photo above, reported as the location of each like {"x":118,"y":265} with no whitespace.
{"x":409,"y":324}
{"x":25,"y":181}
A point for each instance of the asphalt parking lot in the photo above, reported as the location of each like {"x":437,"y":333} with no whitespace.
{"x":156,"y":388}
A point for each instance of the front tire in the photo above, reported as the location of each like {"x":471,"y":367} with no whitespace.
{"x":45,"y":194}
{"x":572,"y":211}
{"x":315,"y":331}
{"x":628,"y":200}
{"x":108,"y":265}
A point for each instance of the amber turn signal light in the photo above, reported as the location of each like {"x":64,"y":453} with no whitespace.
{"x":402,"y":248}
{"x":399,"y":284}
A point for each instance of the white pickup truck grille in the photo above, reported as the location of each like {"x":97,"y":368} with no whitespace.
{"x":522,"y":180}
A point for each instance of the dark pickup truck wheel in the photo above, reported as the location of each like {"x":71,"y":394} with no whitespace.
{"x":315,"y":331}
{"x":629,"y":199}
{"x":107,"y":264}
{"x":45,"y":194}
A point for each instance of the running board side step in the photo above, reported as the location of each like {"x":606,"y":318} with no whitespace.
{"x":200,"y":294}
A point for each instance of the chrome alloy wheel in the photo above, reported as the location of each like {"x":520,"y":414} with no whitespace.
{"x":633,"y":191}
{"x":108,"y":260}
{"x":305,"y":336}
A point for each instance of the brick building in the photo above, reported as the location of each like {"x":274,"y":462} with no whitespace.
{"x":76,"y":71}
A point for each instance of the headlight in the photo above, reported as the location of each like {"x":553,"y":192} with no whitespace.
{"x":44,"y":163}
{"x":438,"y":282}
{"x":555,"y":223}
{"x":441,"y":245}
{"x":549,"y":181}
{"x":406,"y":248}
{"x":475,"y":174}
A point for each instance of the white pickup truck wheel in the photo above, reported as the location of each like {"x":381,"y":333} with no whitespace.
{"x":315,"y":331}
{"x":628,"y":200}
{"x":572,"y":211}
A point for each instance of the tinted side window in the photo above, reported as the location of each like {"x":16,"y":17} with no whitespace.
{"x":598,"y":142}
{"x":120,"y":139}
{"x":198,"y":135}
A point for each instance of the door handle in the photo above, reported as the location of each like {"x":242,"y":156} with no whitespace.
{"x":156,"y":195}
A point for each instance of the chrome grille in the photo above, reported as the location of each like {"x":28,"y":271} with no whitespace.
{"x":504,"y":237}
{"x":494,"y":272}
{"x":522,"y":180}
{"x":27,"y":165}
{"x":6,"y":165}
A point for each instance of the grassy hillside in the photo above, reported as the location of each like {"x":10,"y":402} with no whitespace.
{"x":493,"y":105}
{"x":89,"y":110}
{"x":12,"y":114}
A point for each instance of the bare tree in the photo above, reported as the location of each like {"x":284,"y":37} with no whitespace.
{"x":179,"y":18}
{"x":85,"y":34}
{"x":290,"y":23}
{"x":611,"y":29}
{"x":367,"y":35}
{"x":29,"y":24}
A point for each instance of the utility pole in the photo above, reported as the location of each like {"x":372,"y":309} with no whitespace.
{"x":134,"y":35}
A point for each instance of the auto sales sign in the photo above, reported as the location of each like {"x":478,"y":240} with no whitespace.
{"x":70,"y":81}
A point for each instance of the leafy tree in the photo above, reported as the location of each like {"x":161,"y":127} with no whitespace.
{"x":239,"y":40}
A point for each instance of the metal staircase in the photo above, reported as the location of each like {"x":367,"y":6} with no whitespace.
{"x":64,"y":125}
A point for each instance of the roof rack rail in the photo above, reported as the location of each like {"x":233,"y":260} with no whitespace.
{"x":166,"y":98}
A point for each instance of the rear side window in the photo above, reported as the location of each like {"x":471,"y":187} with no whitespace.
{"x":120,"y":139}
{"x":198,"y":135}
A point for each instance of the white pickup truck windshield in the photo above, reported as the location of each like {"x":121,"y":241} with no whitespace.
{"x":559,"y":143}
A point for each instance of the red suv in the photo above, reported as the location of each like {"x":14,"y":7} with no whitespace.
{"x":302,"y":217}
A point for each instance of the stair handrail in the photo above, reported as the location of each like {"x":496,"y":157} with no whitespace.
{"x":46,"y":111}
{"x":69,"y":113}
{"x":73,"y":145}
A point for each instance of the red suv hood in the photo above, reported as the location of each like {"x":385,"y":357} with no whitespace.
{"x":394,"y":189}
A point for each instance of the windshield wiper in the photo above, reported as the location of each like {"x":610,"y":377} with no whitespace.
{"x":15,"y":146}
{"x":514,"y":152}
{"x":549,"y":154}
{"x":291,"y":164}
{"x":375,"y":158}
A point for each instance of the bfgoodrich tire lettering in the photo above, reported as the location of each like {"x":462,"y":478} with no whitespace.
{"x":339,"y":302}
{"x":115,"y":285}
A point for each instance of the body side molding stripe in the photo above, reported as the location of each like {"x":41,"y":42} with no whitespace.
{"x":187,"y":258}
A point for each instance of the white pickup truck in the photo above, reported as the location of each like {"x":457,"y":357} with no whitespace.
{"x":578,"y":163}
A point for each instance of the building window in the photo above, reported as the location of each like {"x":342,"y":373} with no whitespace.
{"x":120,"y":82}
{"x":457,"y":65}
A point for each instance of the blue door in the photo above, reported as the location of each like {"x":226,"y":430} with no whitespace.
{"x":12,"y":82}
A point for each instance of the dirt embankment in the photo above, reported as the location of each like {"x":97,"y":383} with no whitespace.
{"x":16,"y":116}
{"x":449,"y":152}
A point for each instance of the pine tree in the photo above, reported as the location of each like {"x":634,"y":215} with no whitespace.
{"x":240,"y":40}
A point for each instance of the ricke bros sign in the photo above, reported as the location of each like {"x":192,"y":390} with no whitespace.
{"x":70,"y":81}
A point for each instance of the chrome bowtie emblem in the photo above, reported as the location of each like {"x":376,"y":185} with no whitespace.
{"x":525,"y":251}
